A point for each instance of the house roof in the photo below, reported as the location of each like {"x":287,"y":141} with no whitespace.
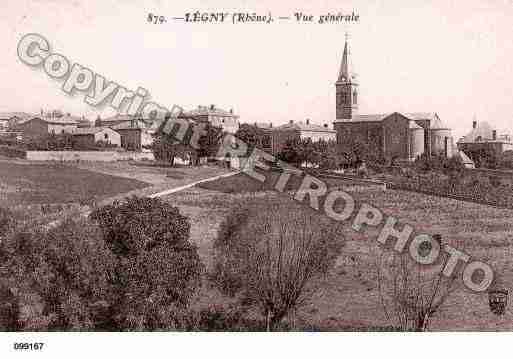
{"x":483,"y":130}
{"x":208,"y":110}
{"x":64,"y":120}
{"x":370,"y":117}
{"x":432,"y":116}
{"x":435,"y":122}
{"x":126,"y":126}
{"x":264,"y":125}
{"x":8,"y":115}
{"x":129,"y":125}
{"x":302,"y":126}
{"x":89,"y":130}
{"x":126,"y":118}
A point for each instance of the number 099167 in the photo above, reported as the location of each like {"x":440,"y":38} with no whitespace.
{"x":28,"y":346}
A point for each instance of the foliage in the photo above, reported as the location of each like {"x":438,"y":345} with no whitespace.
{"x":506,"y":160}
{"x":209,"y":142}
{"x":140,"y":224}
{"x":50,"y":142}
{"x":273,"y":259}
{"x":439,"y":163}
{"x":290,"y":153}
{"x":72,"y":276}
{"x":484,"y":158}
{"x":52,"y":279}
{"x":15,"y":151}
{"x":250,"y":135}
{"x":166,"y":147}
{"x":7,"y":221}
{"x":157,"y":265}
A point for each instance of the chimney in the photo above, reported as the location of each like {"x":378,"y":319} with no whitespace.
{"x":270,"y":124}
{"x":325,"y":125}
{"x":307,"y":121}
{"x":291,"y":121}
{"x":212,"y":107}
{"x":494,"y":135}
{"x":231,"y":110}
{"x":474,"y":124}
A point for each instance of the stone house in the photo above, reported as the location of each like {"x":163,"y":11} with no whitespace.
{"x":90,"y":136}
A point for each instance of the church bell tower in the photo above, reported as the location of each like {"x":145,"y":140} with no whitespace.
{"x":346,"y":88}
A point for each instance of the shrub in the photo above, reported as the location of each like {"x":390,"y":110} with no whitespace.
{"x":12,"y":151}
{"x":272,"y":255}
{"x":80,"y":276}
{"x":141,"y":224}
{"x":157,"y":265}
{"x":6,"y":221}
{"x":54,"y":277}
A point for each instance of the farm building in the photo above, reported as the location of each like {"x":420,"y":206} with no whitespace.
{"x":217,"y":117}
{"x":90,"y":136}
{"x":300,"y":131}
{"x":484,"y":140}
{"x":41,"y":125}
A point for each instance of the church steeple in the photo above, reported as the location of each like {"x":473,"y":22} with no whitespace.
{"x":347,"y":87}
{"x":345,"y":67}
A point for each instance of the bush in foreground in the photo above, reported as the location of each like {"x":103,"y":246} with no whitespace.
{"x":157,"y":266}
{"x":272,"y":256}
{"x":134,"y":270}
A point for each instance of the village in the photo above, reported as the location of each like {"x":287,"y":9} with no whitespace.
{"x":198,"y":231}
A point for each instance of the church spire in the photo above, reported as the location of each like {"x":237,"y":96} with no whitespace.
{"x":345,"y":73}
{"x":346,"y":88}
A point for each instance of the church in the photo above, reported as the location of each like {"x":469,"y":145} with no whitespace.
{"x":389,"y":137}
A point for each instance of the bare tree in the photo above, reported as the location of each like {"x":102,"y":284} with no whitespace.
{"x":275,"y":259}
{"x":411,"y":293}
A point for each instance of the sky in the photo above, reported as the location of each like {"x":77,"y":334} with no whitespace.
{"x":449,"y":57}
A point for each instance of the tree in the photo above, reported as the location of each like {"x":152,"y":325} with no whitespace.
{"x":166,"y":148}
{"x":411,"y":294}
{"x":132,"y":269}
{"x":273,"y":259}
{"x":250,"y":135}
{"x":157,"y":265}
{"x":506,"y":160}
{"x":55,"y":277}
{"x":210,"y":140}
{"x":291,"y":153}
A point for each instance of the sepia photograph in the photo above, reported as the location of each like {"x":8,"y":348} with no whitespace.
{"x":253,"y":178}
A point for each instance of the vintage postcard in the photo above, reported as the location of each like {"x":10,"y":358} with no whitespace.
{"x":254,"y":166}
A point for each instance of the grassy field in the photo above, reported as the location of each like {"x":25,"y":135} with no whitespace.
{"x":243,"y":183}
{"x":349,"y":297}
{"x":57,"y":183}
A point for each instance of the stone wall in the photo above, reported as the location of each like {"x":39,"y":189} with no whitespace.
{"x":95,"y":156}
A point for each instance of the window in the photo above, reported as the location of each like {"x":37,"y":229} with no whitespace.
{"x":355,"y":97}
{"x":106,"y":136}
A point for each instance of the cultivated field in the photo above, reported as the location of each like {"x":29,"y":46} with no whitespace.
{"x":349,"y":297}
{"x":23,"y":182}
{"x":28,"y":183}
